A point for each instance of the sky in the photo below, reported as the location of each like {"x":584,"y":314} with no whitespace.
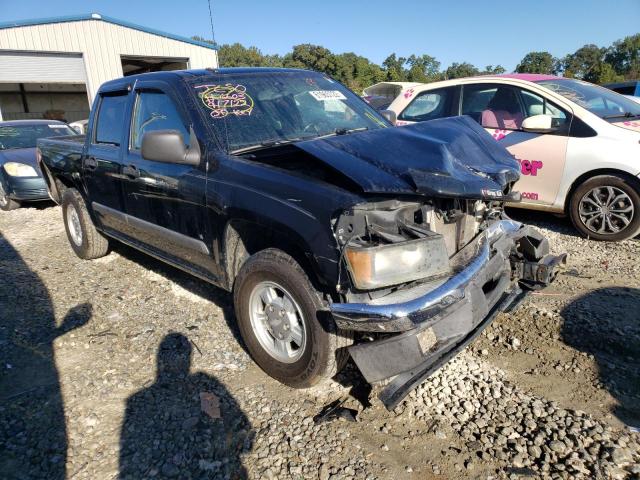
{"x":482,"y":33}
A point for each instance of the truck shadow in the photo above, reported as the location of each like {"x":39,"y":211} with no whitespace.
{"x":33,"y":435}
{"x":195,"y":286}
{"x":605,"y":323}
{"x":184,"y":425}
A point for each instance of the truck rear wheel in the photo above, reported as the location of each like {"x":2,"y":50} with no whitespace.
{"x":83,"y":237}
{"x":283,"y":323}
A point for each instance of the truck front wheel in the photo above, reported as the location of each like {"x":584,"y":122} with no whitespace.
{"x":83,"y":237}
{"x":282,"y":321}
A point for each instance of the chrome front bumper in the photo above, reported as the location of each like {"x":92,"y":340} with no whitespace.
{"x":432,"y":322}
{"x":478,"y":259}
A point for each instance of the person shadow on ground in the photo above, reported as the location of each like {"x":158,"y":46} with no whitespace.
{"x":33,"y":434}
{"x":606,"y":324}
{"x":184,"y":425}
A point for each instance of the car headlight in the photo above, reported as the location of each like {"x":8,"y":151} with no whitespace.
{"x":16,"y":169}
{"x":392,"y":264}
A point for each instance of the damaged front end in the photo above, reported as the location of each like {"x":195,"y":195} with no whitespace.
{"x":423,"y":279}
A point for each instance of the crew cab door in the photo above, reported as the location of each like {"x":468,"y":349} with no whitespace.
{"x":165,"y":202}
{"x":102,"y":162}
{"x":501,"y":109}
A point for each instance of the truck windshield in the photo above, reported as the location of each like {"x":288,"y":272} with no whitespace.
{"x":598,"y":100}
{"x":26,"y":136}
{"x":262,"y":109}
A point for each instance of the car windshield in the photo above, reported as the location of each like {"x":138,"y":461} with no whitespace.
{"x":26,"y":136}
{"x":598,"y":100}
{"x":261,"y":109}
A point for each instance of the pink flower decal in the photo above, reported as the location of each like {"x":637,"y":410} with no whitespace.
{"x":499,"y":134}
{"x":632,"y":124}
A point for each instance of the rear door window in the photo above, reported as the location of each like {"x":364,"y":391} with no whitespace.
{"x":429,"y":105}
{"x":111,"y":121}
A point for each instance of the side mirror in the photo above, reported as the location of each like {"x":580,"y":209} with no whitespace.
{"x":167,"y":146}
{"x":538,"y":124}
{"x":389,"y":115}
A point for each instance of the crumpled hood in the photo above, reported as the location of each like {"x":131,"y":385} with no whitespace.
{"x":20,"y":155}
{"x":449,"y":157}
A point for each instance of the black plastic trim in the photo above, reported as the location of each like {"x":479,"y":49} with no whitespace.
{"x":172,"y":236}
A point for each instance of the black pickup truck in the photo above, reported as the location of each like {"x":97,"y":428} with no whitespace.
{"x":337,"y":233}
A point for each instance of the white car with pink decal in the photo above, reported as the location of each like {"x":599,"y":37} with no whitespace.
{"x":578,"y":144}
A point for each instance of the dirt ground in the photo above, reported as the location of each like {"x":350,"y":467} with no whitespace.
{"x":109,"y":367}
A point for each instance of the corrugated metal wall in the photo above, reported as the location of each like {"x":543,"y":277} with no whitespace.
{"x":102,"y":44}
{"x":19,"y":67}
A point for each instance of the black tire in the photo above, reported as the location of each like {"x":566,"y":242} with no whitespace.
{"x":324,"y":353}
{"x":91,"y":243}
{"x":6,"y":203}
{"x":628,"y":185}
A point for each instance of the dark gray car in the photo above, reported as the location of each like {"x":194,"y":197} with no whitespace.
{"x":20,"y":176}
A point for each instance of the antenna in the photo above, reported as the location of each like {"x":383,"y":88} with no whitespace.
{"x":213,"y":34}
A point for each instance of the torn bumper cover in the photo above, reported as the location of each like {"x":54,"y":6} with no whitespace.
{"x":433,"y":321}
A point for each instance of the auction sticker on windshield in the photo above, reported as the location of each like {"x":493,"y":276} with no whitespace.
{"x":227,"y":99}
{"x":322,"y":95}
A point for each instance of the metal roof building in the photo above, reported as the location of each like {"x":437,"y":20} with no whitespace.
{"x":53,"y":67}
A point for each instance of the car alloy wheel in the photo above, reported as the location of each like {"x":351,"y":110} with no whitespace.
{"x":277,"y":321}
{"x":606,"y":210}
{"x":73,"y":222}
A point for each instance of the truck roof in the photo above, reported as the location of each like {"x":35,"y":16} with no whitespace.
{"x":175,"y":74}
{"x":16,"y":123}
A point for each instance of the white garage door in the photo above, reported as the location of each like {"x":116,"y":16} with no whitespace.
{"x":27,"y":67}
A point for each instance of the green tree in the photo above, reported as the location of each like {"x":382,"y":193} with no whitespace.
{"x":236,"y":55}
{"x":460,"y":70}
{"x":423,"y":68}
{"x":537,"y":62}
{"x":604,"y":73}
{"x":394,"y":68}
{"x":583,"y":62}
{"x":357,"y":72}
{"x":624,"y":57}
{"x":491,"y":70}
{"x":312,"y":57}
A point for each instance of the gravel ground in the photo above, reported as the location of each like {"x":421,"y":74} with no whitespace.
{"x":126,"y":368}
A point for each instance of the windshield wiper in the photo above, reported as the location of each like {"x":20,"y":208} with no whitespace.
{"x":346,"y":131}
{"x":622,"y":115}
{"x":267,"y":144}
{"x":277,"y":143}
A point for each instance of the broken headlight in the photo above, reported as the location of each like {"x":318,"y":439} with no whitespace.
{"x":380,"y":266}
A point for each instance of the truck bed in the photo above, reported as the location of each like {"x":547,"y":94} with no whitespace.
{"x":60,"y":157}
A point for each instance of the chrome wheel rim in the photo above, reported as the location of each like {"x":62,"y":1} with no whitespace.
{"x":4,"y":200}
{"x":277,"y":321}
{"x":73,"y":222}
{"x":606,"y":210}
